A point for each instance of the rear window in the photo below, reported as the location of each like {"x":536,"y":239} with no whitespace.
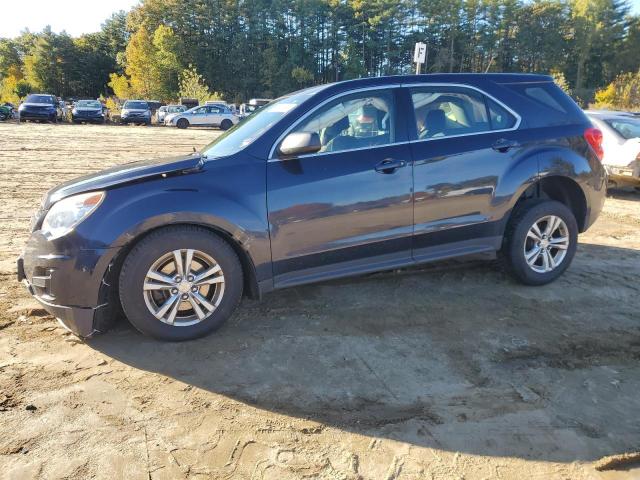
{"x":627,"y":128}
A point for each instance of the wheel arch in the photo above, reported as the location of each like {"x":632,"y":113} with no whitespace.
{"x":108,"y":292}
{"x":562,"y":189}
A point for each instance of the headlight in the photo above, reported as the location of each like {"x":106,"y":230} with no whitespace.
{"x":66,"y":214}
{"x":124,"y":113}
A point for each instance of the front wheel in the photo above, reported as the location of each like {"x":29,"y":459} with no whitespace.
{"x":180,"y":283}
{"x":226,"y":124}
{"x":182,"y":123}
{"x":540,"y":241}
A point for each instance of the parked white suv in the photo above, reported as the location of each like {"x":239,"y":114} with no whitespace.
{"x":204,"y":115}
{"x":167,"y":110}
{"x":621,"y":144}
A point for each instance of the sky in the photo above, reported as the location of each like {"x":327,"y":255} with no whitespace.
{"x":74,"y":16}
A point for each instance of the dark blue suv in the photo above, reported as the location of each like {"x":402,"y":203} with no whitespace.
{"x":327,"y":182}
{"x":41,"y":107}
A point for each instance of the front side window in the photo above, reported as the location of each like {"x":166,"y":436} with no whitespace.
{"x":447,"y":111}
{"x":359,"y":120}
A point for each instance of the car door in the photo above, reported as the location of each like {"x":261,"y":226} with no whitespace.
{"x":463,"y":143}
{"x":199,"y":116}
{"x":348,"y":207}
{"x":214,"y":115}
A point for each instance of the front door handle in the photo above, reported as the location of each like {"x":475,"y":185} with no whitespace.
{"x":390,"y":165}
{"x":503,"y":145}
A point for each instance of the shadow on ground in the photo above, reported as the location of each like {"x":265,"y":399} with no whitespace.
{"x":454,"y":356}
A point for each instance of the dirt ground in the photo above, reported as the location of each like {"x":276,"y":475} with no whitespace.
{"x":450,"y":371}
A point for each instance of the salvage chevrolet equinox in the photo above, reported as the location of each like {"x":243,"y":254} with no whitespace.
{"x":335,"y":180}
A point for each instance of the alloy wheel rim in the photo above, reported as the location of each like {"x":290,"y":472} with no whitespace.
{"x":183,"y":287}
{"x":546,"y":244}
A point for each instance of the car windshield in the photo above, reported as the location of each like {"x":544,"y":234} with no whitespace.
{"x":89,"y":104}
{"x":627,"y":127}
{"x":40,"y":99}
{"x":247,"y":131}
{"x":136,"y":105}
{"x":175,"y":109}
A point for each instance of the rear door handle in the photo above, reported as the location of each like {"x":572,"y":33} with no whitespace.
{"x":390,"y":165}
{"x":504,"y":145}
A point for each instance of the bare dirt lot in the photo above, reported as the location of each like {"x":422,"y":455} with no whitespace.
{"x":449,"y":371}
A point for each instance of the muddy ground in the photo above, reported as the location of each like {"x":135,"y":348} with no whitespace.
{"x":449,"y":371}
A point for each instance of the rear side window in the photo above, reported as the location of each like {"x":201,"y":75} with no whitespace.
{"x":501,"y":119}
{"x":451,"y":111}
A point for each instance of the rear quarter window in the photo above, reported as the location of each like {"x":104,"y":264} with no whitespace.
{"x":545,"y":104}
{"x":547,"y":96}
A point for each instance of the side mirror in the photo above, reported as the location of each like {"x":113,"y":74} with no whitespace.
{"x":300,"y":143}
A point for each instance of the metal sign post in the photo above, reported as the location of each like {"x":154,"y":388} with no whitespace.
{"x":419,"y":55}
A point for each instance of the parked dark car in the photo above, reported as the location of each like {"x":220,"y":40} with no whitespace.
{"x":89,"y":111}
{"x":40,"y":107}
{"x":332,"y":181}
{"x":136,"y":111}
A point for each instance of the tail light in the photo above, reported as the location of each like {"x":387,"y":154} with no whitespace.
{"x":593,"y":136}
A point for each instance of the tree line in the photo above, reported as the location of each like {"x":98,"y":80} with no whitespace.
{"x":265,"y":48}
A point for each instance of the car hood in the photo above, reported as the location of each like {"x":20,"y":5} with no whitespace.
{"x":47,"y":105}
{"x":88,"y":109}
{"x":135,"y":110}
{"x":122,"y":174}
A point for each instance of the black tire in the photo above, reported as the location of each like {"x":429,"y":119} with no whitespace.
{"x":154,"y":246}
{"x":226,"y":124}
{"x":182,"y":123}
{"x":513,"y":247}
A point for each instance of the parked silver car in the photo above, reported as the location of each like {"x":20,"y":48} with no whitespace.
{"x":205,"y":115}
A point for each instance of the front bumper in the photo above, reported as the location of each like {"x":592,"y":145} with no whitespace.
{"x":130,"y":119}
{"x":31,"y":115}
{"x":88,"y":118}
{"x":77,"y":320}
{"x":73,"y":286}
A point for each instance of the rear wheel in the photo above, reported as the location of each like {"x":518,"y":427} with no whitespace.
{"x":182,"y":123}
{"x":540,"y":241}
{"x":180,"y":283}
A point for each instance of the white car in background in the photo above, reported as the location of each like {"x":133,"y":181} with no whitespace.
{"x":166,"y":110}
{"x":205,"y":115}
{"x":621,"y":145}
